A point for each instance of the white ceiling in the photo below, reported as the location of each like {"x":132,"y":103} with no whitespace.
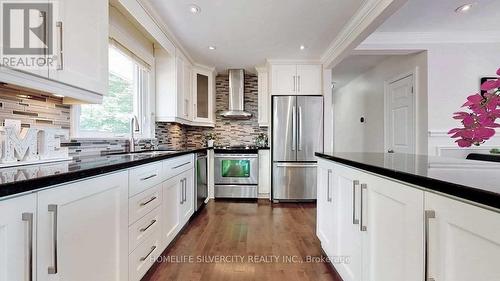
{"x":247,"y":32}
{"x":353,"y":66}
{"x":440,"y":15}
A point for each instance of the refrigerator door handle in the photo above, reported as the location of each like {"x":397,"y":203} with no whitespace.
{"x":294,"y":128}
{"x":299,"y":126}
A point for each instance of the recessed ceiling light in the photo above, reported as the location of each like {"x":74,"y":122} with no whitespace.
{"x":212,"y":48}
{"x":194,"y":9}
{"x":464,"y":8}
{"x":302,"y":47}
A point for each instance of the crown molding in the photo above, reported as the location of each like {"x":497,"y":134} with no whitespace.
{"x":371,"y":15}
{"x":422,"y":38}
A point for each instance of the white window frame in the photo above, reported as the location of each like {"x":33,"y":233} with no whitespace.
{"x":144,"y":112}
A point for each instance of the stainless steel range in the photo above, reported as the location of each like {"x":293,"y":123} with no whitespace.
{"x":236,"y":172}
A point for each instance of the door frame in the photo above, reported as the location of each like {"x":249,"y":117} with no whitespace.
{"x":414,"y":73}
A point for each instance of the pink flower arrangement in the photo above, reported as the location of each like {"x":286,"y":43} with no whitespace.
{"x":479,"y":122}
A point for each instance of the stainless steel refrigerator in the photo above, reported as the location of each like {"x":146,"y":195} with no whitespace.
{"x":297,"y":133}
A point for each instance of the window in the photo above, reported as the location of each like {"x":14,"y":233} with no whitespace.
{"x":127,"y":95}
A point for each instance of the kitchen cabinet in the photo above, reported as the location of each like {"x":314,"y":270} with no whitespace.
{"x":79,"y":52}
{"x":171,"y":209}
{"x":83,"y":230}
{"x":375,"y":223}
{"x":18,"y":238}
{"x":81,"y":31}
{"x":392,"y":228}
{"x":296,"y":79}
{"x":264,"y":98}
{"x":264,"y":173}
{"x":203,"y":96}
{"x":463,"y":240}
{"x":187,"y":206}
{"x":325,"y":209}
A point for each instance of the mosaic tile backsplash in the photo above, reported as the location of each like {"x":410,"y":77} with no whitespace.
{"x":229,"y":132}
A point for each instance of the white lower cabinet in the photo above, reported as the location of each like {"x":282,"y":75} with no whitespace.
{"x":83,"y":230}
{"x":18,"y":239}
{"x":144,"y":256}
{"x":392,"y":229}
{"x":264,"y":173}
{"x":187,"y":206}
{"x":386,"y":234}
{"x":463,"y":241}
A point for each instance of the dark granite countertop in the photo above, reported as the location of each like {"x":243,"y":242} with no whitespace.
{"x":477,"y":181}
{"x":30,"y":178}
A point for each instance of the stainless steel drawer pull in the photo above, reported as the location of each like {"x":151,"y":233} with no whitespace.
{"x":149,"y":201}
{"x":150,"y":252}
{"x":60,"y":59}
{"x":362,"y":227}
{"x":53,"y":209}
{"x":147,"y":227}
{"x":149,"y":177}
{"x":176,"y":167}
{"x":28,"y":217}
{"x":429,"y":214}
{"x":354,"y":219}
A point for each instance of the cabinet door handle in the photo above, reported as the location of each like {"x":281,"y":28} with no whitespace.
{"x":362,"y":227}
{"x":294,"y":82}
{"x":182,"y":191}
{"x":148,"y":226}
{"x":429,"y":214}
{"x":150,"y":252}
{"x":298,"y":83}
{"x":149,"y":177}
{"x":53,"y":209}
{"x":178,"y":166}
{"x":354,"y":219}
{"x":28,"y":217}
{"x":149,"y":201}
{"x":328,"y":192}
{"x":185,"y":189}
{"x":60,"y":62}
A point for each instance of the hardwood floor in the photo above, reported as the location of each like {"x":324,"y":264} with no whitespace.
{"x":259,"y":241}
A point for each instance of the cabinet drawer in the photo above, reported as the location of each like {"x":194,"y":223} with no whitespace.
{"x":142,"y":258}
{"x":144,"y":177}
{"x":175,"y":166}
{"x":143,"y":203}
{"x":143,"y":228}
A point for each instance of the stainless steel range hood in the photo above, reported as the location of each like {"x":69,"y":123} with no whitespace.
{"x":236,"y":96}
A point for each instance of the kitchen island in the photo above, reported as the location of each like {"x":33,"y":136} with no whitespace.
{"x":409,"y":217}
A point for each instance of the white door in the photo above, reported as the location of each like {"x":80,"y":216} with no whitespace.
{"x":348,"y":242}
{"x":309,"y":79}
{"x":400,"y":116}
{"x":171,"y":208}
{"x":464,"y":241}
{"x":83,"y":230}
{"x":83,"y":27}
{"x":17,"y":238}
{"x":394,"y":235}
{"x":187,"y":207}
{"x":283,"y":79}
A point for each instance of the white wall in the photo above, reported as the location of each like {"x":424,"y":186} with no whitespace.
{"x":454,"y":73}
{"x":364,"y":96}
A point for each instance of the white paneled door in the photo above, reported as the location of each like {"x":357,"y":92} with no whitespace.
{"x":400,"y":115}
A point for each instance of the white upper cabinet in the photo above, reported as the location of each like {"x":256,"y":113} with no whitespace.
{"x":463,"y":240}
{"x":18,"y":238}
{"x":81,"y":32}
{"x":80,"y":37}
{"x":296,"y":79}
{"x":264,"y":98}
{"x":203,"y":96}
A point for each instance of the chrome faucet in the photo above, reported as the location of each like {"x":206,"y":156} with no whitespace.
{"x":134,"y":127}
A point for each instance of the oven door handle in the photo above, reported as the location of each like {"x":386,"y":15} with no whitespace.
{"x":236,"y":156}
{"x":289,"y":165}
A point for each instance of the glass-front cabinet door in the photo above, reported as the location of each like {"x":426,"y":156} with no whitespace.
{"x":203,"y":96}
